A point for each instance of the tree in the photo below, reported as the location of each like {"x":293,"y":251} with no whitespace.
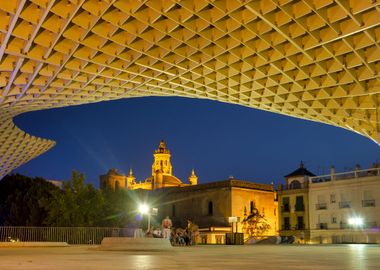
{"x":26,"y":201}
{"x":118,"y":208}
{"x":76,"y":205}
{"x":255,"y":223}
{"x":21,"y":200}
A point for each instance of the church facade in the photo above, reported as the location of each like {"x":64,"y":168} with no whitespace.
{"x":209,"y":205}
{"x":161,"y":177}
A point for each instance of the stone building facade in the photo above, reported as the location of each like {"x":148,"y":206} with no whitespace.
{"x":210,"y":205}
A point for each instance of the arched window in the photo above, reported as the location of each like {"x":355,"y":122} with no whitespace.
{"x":251,"y":207}
{"x":210,"y":208}
{"x":117,"y":185}
{"x":295,"y":184}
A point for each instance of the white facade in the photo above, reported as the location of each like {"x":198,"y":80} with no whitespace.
{"x":336,"y":201}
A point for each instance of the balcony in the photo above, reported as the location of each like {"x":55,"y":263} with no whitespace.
{"x":371,"y":225}
{"x":321,"y":206}
{"x":345,"y":204}
{"x":285,"y":208}
{"x":300,"y":226}
{"x":343,"y":225}
{"x":368,"y":203}
{"x":286,"y":227}
{"x":322,"y":226}
{"x":293,"y":187}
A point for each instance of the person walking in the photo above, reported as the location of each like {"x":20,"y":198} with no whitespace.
{"x":166,"y":227}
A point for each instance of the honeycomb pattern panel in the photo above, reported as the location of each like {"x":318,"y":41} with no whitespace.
{"x":312,"y":59}
{"x":17,"y":147}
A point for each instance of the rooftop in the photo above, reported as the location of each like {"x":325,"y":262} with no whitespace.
{"x":230,"y":183}
{"x":301,"y":171}
{"x":371,"y":172}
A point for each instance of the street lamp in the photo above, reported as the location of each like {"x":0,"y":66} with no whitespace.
{"x":355,"y":221}
{"x":144,"y":209}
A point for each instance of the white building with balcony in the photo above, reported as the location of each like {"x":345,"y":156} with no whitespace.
{"x":294,"y":206}
{"x":345,"y":207}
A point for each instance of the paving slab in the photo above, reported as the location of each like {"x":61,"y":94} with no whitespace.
{"x":196,"y":257}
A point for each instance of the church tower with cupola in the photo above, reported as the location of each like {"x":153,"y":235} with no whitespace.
{"x":161,"y":177}
{"x":161,"y":163}
{"x":193,"y":178}
{"x":131,"y":179}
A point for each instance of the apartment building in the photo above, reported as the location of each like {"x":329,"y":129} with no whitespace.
{"x":334,"y":208}
{"x":345,"y":207}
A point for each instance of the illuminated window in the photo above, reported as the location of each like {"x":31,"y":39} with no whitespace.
{"x":219,"y":239}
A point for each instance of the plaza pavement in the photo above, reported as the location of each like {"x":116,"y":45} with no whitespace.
{"x":197,"y":257}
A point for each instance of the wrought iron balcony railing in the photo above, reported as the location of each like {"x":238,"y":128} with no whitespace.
{"x":345,"y":204}
{"x":322,"y":226}
{"x":321,"y":206}
{"x":368,"y":203}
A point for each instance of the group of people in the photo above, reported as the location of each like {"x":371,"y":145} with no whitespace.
{"x":177,"y":236}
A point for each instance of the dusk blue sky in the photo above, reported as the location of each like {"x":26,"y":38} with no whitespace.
{"x":216,"y":139}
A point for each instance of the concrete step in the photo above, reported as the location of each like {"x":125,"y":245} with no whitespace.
{"x":135,"y":244}
{"x":33,"y":244}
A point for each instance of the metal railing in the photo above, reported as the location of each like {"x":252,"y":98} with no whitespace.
{"x":371,"y":225}
{"x":70,"y":235}
{"x":345,"y":204}
{"x":293,"y":186}
{"x":300,"y":226}
{"x":368,"y":203}
{"x":322,"y":226}
{"x":285,"y":208}
{"x":321,"y":206}
{"x":345,"y":175}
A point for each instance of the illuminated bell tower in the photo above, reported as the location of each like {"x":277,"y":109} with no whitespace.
{"x":131,"y":179}
{"x":162,"y":162}
{"x":193,"y":179}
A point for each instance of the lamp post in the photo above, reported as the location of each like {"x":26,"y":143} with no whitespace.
{"x":144,"y":209}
